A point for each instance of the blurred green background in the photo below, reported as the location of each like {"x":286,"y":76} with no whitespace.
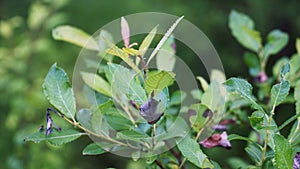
{"x":27,"y":51}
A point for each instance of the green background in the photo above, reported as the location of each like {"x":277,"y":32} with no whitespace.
{"x":27,"y":51}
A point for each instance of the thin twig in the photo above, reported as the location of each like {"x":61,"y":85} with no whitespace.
{"x":159,"y":164}
{"x":93,"y":133}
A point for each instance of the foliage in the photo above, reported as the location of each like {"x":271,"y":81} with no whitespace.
{"x":139,"y":116}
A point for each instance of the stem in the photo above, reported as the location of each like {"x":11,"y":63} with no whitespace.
{"x":267,"y":138}
{"x":159,"y":164}
{"x":153,"y":135}
{"x":93,"y":133}
{"x":288,"y":122}
{"x":175,"y":154}
{"x":294,"y":134}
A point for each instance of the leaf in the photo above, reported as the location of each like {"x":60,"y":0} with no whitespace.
{"x":284,"y":70}
{"x":191,"y":150}
{"x":238,"y":137}
{"x":276,"y":40}
{"x":125,"y":31}
{"x":177,"y":98}
{"x":297,"y":96}
{"x":283,"y":157}
{"x":123,"y":82}
{"x":293,"y":76}
{"x":74,"y":35}
{"x":252,"y":61}
{"x":103,"y":45}
{"x":278,"y":65}
{"x":164,"y":39}
{"x":165,"y":58}
{"x":93,"y":149}
{"x":147,"y":41}
{"x":203,"y":83}
{"x":99,"y":125}
{"x":158,"y":81}
{"x":294,"y":136}
{"x":198,"y":120}
{"x":236,"y":163}
{"x":242,"y":28}
{"x":218,"y":76}
{"x":84,"y":118}
{"x":130,"y":135}
{"x":56,"y":137}
{"x":116,"y":51}
{"x":256,"y":119}
{"x":175,"y":128}
{"x":116,"y":120}
{"x":213,"y":97}
{"x":298,"y":45}
{"x":243,"y":88}
{"x":279,"y":93}
{"x":97,"y":83}
{"x":58,"y":91}
{"x":255,"y":152}
{"x":196,"y":94}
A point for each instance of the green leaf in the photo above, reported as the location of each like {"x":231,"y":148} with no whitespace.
{"x":198,"y":120}
{"x":284,"y":70}
{"x":123,"y":82}
{"x":196,"y":94}
{"x":297,"y":96}
{"x":252,"y":61}
{"x":238,"y":137}
{"x":203,"y":83}
{"x":294,"y":136}
{"x":74,"y":35}
{"x":164,"y":39}
{"x":191,"y":150}
{"x":243,"y":88}
{"x":177,"y":98}
{"x":165,"y":58}
{"x":278,"y":65}
{"x":255,"y":152}
{"x":276,"y":40}
{"x":242,"y":28}
{"x":147,"y":41}
{"x":97,"y":83}
{"x":58,"y":91}
{"x":116,"y":51}
{"x":283,"y":153}
{"x":175,"y":128}
{"x":103,"y":45}
{"x":84,"y":118}
{"x":116,"y":119}
{"x":213,"y":97}
{"x":279,"y":93}
{"x":218,"y":76}
{"x":293,"y":76}
{"x":298,"y":45}
{"x":56,"y":137}
{"x":236,"y":163}
{"x":99,"y":125}
{"x":257,"y":119}
{"x":93,"y":149}
{"x":130,"y":135}
{"x":158,"y":81}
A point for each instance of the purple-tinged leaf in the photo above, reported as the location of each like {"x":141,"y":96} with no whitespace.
{"x":151,"y":111}
{"x":125,"y":31}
